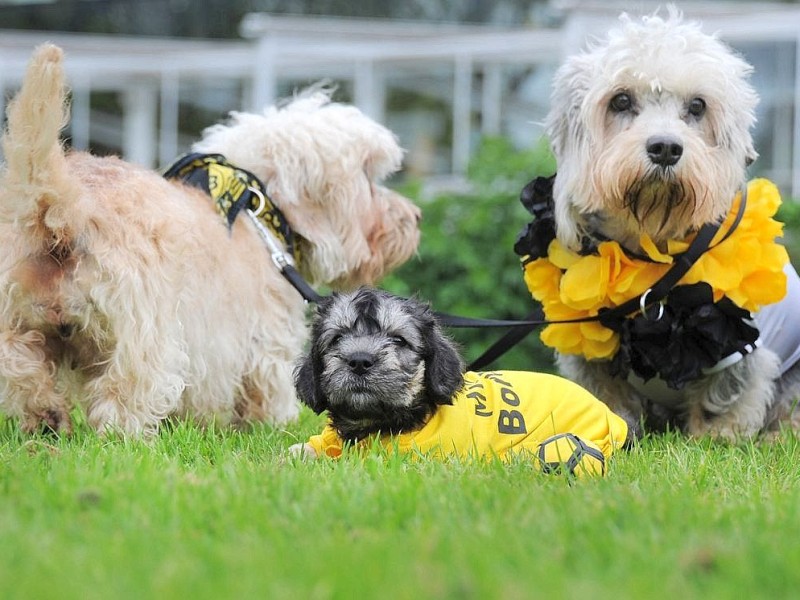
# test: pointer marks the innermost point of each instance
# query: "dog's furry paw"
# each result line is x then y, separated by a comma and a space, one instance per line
302, 451
50, 420
723, 428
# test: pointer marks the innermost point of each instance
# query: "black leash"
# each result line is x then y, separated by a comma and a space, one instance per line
651, 296
518, 330
511, 338
301, 285
188, 167
655, 294
470, 323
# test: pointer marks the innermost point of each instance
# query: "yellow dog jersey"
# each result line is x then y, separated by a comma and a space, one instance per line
502, 412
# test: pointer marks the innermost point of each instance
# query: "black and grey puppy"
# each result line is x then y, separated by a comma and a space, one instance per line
377, 362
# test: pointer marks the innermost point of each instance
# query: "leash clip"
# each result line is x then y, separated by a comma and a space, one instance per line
261, 201
280, 260
643, 307
279, 257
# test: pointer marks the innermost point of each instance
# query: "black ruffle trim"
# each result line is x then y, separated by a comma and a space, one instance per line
535, 237
694, 332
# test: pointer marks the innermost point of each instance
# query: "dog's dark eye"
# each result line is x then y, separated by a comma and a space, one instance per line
622, 102
335, 339
399, 341
697, 106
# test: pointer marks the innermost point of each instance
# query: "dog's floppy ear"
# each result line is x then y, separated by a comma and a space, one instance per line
310, 366
750, 156
444, 369
565, 124
306, 383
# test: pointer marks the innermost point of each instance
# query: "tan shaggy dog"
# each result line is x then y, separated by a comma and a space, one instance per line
128, 295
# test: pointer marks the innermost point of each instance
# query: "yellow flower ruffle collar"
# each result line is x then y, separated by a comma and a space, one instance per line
746, 267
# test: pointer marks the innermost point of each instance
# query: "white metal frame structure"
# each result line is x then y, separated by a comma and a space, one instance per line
149, 74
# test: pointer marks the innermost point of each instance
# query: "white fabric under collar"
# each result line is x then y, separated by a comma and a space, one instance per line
779, 323
779, 328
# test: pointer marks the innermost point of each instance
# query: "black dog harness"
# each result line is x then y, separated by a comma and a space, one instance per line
236, 191
233, 189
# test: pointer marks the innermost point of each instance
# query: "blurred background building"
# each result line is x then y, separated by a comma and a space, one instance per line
147, 76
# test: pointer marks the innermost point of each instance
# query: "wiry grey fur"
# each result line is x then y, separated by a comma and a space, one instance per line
377, 362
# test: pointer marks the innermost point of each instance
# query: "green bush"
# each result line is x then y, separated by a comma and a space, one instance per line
789, 215
466, 263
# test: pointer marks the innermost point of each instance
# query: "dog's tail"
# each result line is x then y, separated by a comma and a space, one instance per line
35, 177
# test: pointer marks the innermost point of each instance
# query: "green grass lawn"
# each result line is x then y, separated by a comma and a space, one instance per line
220, 514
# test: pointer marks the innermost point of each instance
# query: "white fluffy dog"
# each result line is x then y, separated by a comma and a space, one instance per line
651, 132
129, 295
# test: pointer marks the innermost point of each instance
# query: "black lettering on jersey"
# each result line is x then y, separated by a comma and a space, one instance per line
494, 376
480, 404
511, 422
509, 396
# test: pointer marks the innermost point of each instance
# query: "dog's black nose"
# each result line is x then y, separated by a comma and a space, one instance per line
360, 362
664, 150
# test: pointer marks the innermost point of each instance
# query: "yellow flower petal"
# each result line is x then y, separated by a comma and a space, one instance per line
542, 278
560, 256
594, 350
650, 249
617, 260
759, 289
593, 330
769, 197
565, 337
584, 284
677, 247
725, 277
642, 278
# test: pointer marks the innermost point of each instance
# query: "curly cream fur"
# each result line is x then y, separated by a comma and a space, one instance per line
126, 294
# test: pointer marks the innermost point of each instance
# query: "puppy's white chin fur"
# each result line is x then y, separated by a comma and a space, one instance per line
355, 399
